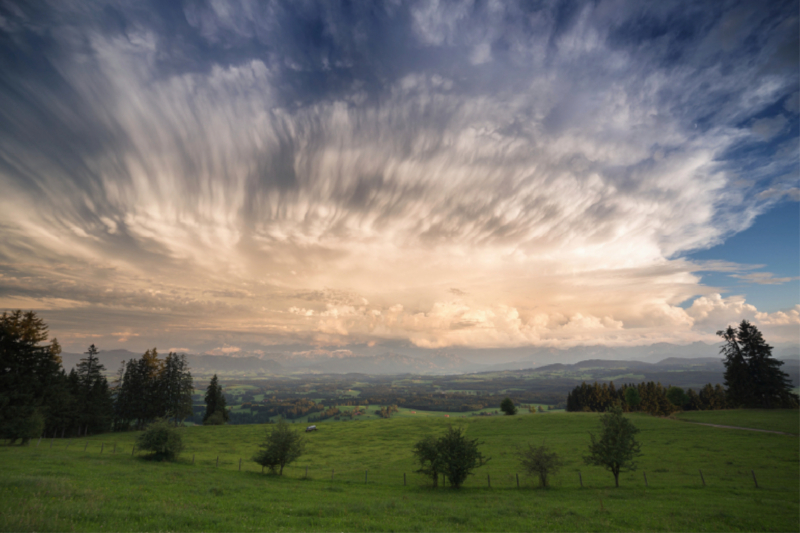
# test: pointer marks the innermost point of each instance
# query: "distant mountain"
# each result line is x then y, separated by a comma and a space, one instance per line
392, 363
224, 363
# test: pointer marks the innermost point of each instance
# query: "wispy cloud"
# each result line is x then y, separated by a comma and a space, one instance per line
325, 174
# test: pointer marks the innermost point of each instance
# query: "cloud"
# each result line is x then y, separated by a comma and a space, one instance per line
770, 127
763, 278
715, 309
310, 175
780, 318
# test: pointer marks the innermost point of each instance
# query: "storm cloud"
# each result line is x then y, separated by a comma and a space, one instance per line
325, 173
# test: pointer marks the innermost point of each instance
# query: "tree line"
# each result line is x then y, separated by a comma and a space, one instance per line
38, 397
753, 379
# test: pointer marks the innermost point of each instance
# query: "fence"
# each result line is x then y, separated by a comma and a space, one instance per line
482, 478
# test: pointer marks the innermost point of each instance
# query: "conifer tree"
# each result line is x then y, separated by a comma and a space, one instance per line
215, 401
28, 370
752, 377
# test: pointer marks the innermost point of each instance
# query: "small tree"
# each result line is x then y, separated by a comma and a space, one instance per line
540, 461
162, 440
281, 446
616, 448
452, 454
508, 407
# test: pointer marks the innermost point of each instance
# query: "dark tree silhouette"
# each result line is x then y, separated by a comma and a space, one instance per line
752, 377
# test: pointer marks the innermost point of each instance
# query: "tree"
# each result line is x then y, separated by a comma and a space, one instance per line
752, 377
176, 387
632, 397
452, 454
28, 371
617, 446
215, 401
163, 441
677, 397
281, 446
540, 461
508, 407
93, 399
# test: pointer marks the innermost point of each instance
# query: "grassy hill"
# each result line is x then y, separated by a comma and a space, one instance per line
52, 487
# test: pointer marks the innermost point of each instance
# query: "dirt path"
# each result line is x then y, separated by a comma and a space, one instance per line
737, 427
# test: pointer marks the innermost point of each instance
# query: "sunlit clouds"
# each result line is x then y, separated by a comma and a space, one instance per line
229, 177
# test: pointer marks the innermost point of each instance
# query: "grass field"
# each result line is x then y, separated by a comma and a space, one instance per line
768, 419
44, 488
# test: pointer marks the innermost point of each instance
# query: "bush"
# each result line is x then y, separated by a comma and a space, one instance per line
216, 419
162, 440
540, 461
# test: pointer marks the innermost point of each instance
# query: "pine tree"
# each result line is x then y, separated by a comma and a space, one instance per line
94, 402
28, 370
215, 401
752, 377
176, 387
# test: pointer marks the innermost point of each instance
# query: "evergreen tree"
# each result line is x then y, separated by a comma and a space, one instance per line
215, 401
752, 377
176, 387
28, 370
93, 398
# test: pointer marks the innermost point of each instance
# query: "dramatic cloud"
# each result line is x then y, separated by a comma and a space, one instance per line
243, 174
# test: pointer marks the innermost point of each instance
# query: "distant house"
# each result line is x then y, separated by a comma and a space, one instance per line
311, 428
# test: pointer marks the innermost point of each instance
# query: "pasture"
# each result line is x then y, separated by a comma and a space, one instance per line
356, 481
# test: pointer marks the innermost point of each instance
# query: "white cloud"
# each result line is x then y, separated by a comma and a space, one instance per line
780, 318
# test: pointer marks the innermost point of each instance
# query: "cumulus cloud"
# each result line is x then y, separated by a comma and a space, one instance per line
315, 176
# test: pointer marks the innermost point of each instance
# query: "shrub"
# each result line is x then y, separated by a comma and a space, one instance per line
540, 461
162, 440
216, 419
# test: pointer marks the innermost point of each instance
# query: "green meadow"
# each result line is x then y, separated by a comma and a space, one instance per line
351, 478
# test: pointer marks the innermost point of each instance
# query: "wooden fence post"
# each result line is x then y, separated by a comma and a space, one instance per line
115, 448
40, 441
217, 466
365, 476
580, 478
102, 445
754, 477
517, 480
51, 442
133, 450
192, 459
404, 479
701, 477
306, 472
489, 479
240, 464
332, 474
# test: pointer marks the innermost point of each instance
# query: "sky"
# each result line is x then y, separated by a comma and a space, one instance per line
250, 176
